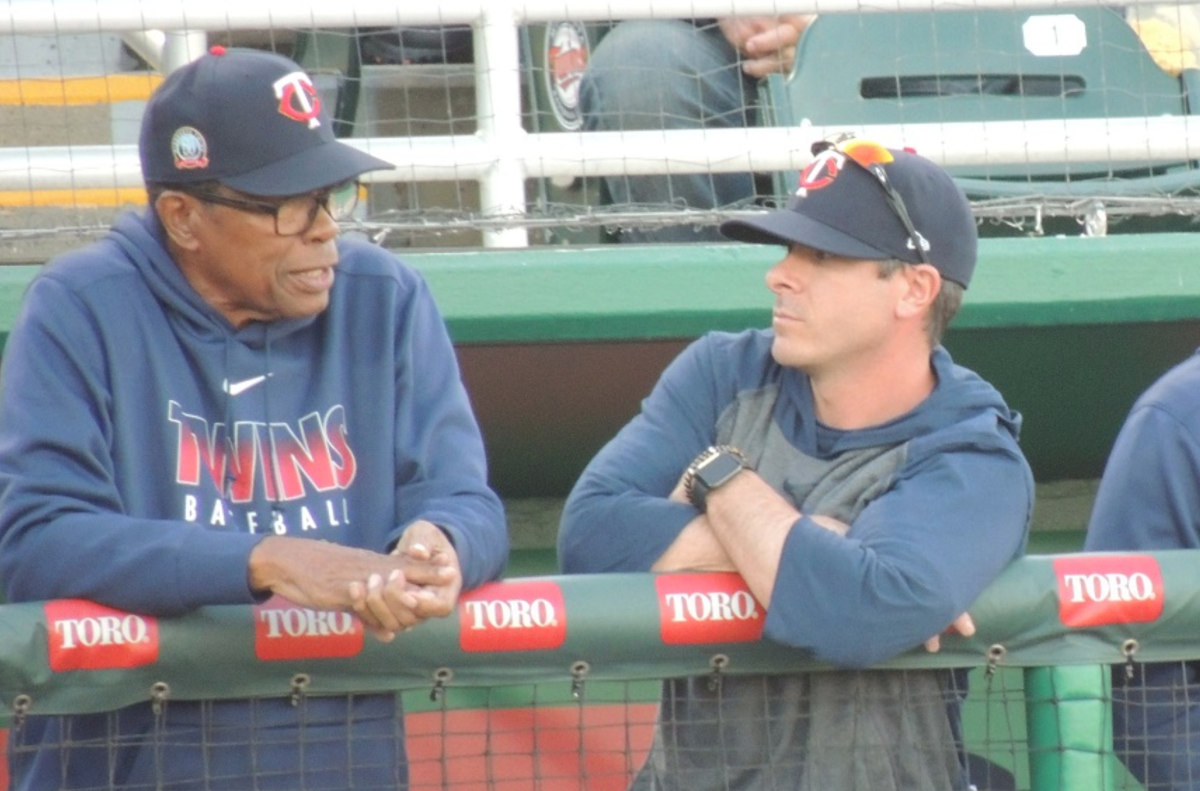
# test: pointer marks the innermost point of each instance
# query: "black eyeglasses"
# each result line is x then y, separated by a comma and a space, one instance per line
295, 215
871, 156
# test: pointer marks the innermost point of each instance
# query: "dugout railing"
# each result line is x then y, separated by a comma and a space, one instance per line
550, 681
558, 346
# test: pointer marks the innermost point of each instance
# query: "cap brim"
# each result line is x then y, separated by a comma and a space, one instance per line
787, 227
311, 169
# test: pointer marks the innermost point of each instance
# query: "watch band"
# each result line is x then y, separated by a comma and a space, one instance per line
689, 475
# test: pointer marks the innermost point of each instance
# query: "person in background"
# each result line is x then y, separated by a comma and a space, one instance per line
683, 74
221, 402
865, 487
1149, 499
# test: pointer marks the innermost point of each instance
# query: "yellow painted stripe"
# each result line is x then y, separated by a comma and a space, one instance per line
89, 198
81, 198
54, 92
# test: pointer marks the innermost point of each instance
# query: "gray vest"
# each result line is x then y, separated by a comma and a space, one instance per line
827, 731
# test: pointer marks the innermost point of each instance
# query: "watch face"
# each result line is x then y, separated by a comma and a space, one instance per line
720, 469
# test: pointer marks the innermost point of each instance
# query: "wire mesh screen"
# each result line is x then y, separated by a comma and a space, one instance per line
981, 82
612, 736
1152, 734
861, 731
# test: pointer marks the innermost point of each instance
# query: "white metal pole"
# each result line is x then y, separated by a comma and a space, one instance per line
148, 44
87, 16
179, 49
498, 108
445, 158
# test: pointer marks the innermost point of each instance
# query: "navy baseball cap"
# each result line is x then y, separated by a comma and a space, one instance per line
249, 119
842, 206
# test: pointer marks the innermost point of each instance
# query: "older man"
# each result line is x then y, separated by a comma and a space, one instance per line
220, 402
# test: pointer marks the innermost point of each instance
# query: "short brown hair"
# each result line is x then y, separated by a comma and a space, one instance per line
945, 305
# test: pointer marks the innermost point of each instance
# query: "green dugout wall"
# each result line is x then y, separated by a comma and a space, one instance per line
559, 345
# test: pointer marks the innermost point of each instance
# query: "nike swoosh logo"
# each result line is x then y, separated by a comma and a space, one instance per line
237, 388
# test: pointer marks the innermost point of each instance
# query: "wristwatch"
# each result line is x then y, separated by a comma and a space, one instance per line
714, 467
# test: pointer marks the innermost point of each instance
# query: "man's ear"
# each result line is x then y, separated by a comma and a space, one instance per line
179, 214
924, 283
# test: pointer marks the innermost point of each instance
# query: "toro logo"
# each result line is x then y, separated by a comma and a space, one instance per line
1095, 590
512, 616
707, 608
84, 635
283, 630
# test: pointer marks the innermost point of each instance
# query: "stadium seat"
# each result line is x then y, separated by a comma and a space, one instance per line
398, 81
986, 65
552, 55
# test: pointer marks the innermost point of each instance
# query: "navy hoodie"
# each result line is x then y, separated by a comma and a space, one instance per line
938, 501
146, 445
1148, 500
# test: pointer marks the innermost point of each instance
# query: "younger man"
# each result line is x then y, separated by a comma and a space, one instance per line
864, 486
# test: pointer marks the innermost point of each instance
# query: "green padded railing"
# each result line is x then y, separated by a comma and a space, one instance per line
1057, 618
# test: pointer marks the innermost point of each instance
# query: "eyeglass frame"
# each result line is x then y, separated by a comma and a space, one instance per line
320, 200
894, 199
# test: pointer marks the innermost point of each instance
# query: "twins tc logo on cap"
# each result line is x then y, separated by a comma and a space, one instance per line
829, 162
821, 172
298, 98
189, 149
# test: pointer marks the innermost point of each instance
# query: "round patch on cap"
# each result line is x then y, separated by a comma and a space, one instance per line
566, 59
189, 149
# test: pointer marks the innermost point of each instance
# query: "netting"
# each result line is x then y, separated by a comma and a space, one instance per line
599, 736
523, 129
564, 736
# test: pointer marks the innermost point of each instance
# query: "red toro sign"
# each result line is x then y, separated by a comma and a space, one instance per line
708, 608
512, 616
283, 630
1098, 590
84, 635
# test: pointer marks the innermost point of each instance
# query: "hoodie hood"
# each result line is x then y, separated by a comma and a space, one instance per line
961, 399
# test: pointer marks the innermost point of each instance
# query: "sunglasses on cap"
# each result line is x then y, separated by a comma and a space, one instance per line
871, 157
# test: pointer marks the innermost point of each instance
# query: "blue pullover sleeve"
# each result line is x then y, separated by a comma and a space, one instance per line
914, 559
1149, 495
63, 532
1149, 499
441, 463
618, 517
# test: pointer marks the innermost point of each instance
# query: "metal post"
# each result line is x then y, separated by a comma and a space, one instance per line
498, 103
181, 48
